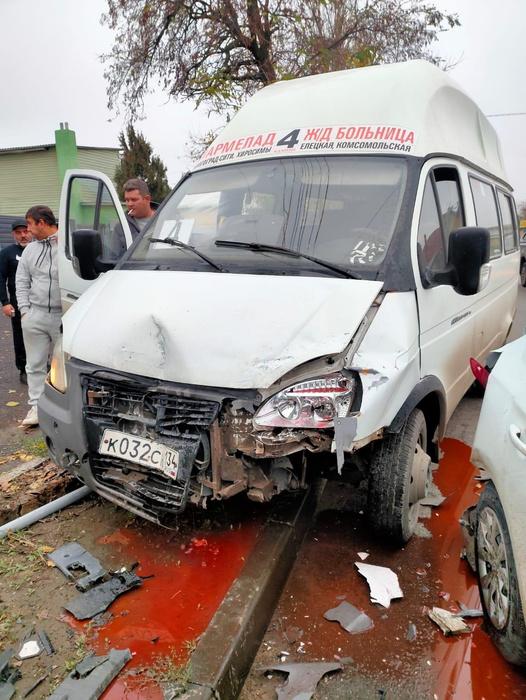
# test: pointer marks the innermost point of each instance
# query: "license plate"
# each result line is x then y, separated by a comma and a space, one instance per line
131, 448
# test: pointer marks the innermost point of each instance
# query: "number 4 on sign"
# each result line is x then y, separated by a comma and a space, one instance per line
290, 140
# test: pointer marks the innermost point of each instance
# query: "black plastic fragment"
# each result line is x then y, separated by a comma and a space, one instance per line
88, 664
45, 642
100, 597
73, 556
94, 682
411, 632
8, 675
350, 618
302, 678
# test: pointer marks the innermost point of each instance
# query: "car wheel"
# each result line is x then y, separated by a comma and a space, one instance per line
523, 273
497, 579
399, 476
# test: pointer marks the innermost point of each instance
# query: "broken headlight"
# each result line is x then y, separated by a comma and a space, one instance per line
314, 403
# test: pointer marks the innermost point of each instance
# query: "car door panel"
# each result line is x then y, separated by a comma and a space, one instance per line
88, 201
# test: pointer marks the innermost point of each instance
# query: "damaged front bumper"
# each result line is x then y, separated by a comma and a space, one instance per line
211, 431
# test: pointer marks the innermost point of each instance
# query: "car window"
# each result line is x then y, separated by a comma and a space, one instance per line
509, 222
449, 199
486, 213
90, 206
431, 246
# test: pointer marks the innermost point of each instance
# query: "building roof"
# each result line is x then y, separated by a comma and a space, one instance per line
47, 146
378, 109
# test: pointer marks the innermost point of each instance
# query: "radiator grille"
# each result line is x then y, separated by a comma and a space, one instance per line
179, 422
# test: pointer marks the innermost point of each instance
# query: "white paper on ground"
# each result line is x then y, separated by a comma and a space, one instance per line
363, 555
383, 583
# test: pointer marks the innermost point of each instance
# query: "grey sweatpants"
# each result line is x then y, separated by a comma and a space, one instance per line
41, 329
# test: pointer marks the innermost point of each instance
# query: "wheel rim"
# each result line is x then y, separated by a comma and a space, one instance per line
419, 480
493, 570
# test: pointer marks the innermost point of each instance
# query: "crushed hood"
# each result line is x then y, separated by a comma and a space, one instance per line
210, 329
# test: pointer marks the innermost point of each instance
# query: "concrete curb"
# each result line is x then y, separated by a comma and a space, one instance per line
226, 650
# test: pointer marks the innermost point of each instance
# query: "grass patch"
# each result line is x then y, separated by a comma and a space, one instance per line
169, 672
7, 623
80, 651
18, 554
34, 445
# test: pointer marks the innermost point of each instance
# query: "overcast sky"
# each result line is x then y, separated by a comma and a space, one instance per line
50, 50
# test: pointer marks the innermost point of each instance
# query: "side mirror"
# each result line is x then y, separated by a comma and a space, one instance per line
468, 251
87, 251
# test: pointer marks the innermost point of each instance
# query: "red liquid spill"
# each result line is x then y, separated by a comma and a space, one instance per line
170, 610
466, 667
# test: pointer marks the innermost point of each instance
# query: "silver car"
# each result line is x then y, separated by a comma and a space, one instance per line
496, 525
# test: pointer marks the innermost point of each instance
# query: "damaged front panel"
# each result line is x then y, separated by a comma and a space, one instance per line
164, 438
154, 447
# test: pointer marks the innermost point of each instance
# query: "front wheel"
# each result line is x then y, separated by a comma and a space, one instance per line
400, 474
523, 273
497, 579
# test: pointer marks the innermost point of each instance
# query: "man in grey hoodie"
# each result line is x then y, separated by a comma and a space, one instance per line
38, 295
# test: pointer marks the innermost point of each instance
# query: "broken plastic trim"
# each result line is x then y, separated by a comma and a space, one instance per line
302, 679
350, 618
100, 597
72, 556
90, 678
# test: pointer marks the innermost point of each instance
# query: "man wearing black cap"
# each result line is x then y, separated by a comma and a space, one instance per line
9, 258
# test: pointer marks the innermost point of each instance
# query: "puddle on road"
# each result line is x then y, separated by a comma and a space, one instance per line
164, 617
430, 573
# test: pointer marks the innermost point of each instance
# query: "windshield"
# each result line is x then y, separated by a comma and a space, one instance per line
341, 209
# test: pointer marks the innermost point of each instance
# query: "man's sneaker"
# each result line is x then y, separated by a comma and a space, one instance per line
31, 418
23, 377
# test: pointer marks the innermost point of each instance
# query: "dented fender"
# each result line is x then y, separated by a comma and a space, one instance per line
388, 363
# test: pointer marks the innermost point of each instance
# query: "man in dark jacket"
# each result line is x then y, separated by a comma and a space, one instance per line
9, 258
139, 211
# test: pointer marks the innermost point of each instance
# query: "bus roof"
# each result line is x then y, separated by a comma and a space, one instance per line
400, 108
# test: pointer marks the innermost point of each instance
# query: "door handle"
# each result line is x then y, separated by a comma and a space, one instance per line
72, 296
516, 439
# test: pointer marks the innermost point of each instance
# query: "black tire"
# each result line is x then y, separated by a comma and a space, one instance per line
523, 273
390, 509
507, 630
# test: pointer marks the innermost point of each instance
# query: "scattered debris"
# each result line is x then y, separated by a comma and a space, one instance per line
101, 619
350, 618
72, 557
383, 583
422, 531
35, 685
468, 612
411, 632
91, 677
29, 650
363, 555
303, 679
8, 675
34, 644
424, 511
448, 622
100, 597
433, 501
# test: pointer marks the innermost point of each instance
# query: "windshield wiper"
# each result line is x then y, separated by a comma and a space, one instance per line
186, 246
267, 248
